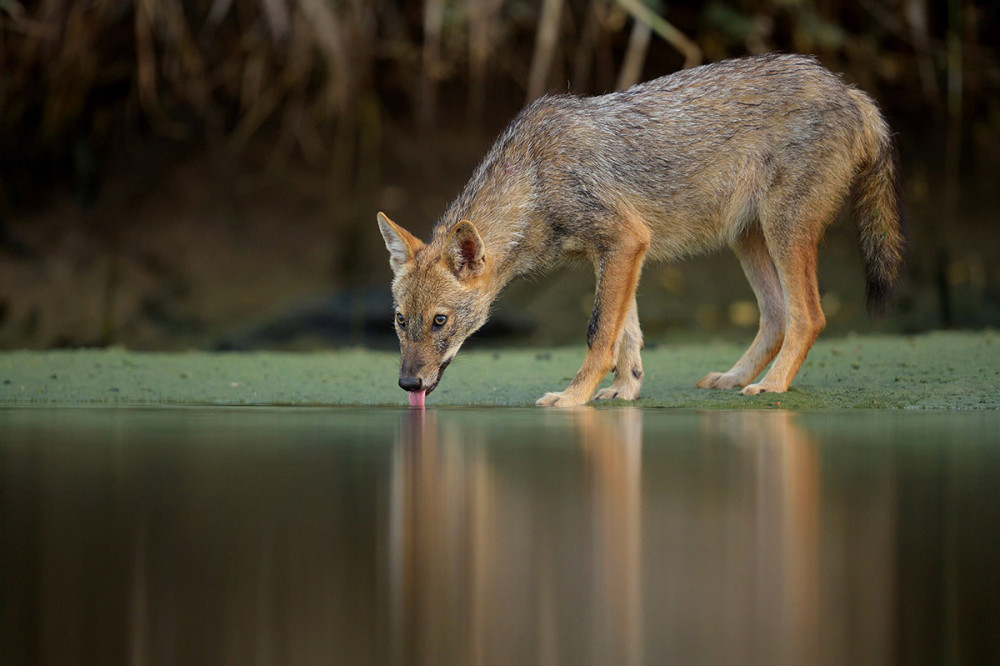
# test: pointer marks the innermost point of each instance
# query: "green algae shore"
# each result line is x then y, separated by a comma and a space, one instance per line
941, 370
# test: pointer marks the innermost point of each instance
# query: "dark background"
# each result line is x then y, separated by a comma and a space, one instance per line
206, 173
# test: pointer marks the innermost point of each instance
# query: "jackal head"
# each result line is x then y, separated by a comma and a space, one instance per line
440, 298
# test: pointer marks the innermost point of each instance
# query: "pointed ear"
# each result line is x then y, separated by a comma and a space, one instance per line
464, 252
402, 245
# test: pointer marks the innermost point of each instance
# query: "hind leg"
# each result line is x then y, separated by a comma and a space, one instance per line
751, 249
795, 261
628, 367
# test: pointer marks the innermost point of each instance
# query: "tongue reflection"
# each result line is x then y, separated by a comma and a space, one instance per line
417, 398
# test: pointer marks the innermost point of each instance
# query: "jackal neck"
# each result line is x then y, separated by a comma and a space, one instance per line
498, 207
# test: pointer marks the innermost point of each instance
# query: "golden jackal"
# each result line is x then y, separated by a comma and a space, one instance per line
756, 153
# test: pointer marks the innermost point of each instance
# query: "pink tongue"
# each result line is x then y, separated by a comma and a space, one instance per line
417, 398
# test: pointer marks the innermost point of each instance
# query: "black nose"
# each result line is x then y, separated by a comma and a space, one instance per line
411, 383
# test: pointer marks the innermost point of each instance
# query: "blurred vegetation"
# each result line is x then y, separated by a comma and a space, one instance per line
343, 91
73, 73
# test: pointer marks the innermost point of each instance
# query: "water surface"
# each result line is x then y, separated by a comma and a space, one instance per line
624, 536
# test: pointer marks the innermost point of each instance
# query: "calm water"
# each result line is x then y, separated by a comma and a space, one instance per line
599, 536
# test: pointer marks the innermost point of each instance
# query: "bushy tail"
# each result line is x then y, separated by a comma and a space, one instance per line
878, 207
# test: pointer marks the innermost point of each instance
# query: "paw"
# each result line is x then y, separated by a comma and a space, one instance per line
618, 393
719, 380
560, 399
763, 387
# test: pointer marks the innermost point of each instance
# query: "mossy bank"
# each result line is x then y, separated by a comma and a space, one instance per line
945, 370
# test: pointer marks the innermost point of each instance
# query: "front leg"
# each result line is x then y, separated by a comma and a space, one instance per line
617, 278
628, 366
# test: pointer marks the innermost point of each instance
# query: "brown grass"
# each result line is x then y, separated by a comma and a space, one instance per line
310, 70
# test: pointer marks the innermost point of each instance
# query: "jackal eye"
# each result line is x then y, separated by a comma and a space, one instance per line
400, 321
439, 320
